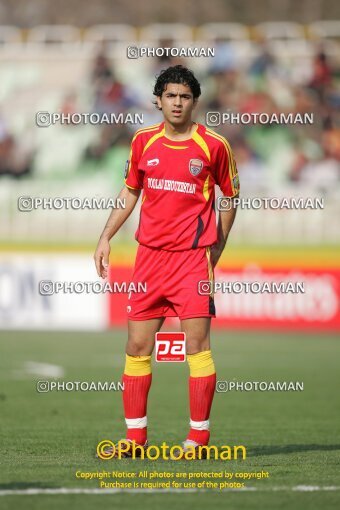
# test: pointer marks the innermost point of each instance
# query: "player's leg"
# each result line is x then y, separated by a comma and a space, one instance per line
137, 376
202, 379
141, 336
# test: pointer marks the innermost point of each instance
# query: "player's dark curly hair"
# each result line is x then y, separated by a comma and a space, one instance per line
176, 74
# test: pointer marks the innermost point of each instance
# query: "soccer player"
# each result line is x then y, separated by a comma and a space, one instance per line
175, 165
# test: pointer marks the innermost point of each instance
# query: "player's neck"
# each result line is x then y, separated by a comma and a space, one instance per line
179, 133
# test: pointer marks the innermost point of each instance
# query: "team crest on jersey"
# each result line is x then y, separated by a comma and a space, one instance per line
195, 166
126, 168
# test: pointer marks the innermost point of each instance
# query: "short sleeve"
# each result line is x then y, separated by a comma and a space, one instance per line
133, 176
226, 174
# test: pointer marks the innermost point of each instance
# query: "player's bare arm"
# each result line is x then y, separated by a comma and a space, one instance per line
116, 219
225, 223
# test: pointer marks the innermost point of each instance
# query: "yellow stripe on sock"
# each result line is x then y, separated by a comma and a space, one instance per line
201, 364
137, 365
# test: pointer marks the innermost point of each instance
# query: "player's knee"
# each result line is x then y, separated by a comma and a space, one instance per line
195, 345
137, 347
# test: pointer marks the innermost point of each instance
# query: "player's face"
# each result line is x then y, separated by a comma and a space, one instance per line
177, 103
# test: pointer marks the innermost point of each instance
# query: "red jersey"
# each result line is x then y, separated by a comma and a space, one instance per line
178, 180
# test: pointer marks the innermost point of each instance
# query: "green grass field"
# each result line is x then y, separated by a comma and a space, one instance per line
47, 437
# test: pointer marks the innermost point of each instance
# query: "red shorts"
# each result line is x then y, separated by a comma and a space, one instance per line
172, 284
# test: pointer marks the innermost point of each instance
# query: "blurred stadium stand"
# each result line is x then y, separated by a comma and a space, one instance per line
223, 31
268, 67
54, 34
179, 33
280, 30
10, 35
115, 37
325, 29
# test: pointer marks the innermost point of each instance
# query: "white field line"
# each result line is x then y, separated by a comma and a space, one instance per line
39, 369
66, 490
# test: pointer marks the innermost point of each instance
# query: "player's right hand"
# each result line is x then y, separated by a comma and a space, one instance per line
101, 257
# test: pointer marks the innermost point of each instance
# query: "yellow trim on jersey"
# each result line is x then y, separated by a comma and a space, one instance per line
232, 165
154, 127
175, 147
153, 139
228, 148
129, 167
128, 186
202, 143
206, 189
143, 200
210, 271
149, 129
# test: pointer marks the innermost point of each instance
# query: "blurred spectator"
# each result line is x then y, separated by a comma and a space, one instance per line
101, 68
322, 75
14, 159
69, 104
264, 61
110, 97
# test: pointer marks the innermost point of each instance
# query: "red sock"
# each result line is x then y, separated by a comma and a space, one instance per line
135, 397
201, 394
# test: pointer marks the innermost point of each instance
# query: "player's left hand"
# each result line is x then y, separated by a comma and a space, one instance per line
101, 257
215, 253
